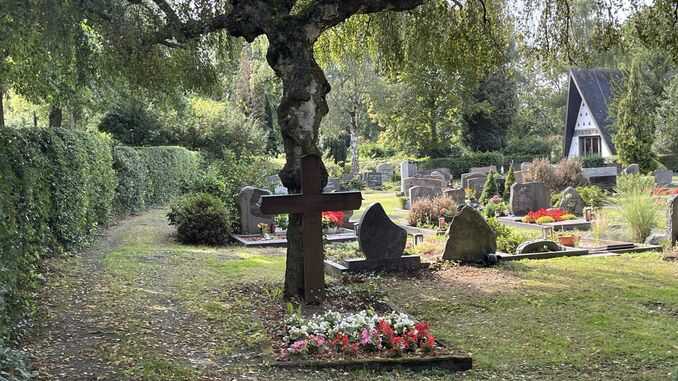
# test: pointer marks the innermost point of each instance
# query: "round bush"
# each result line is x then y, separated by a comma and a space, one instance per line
200, 218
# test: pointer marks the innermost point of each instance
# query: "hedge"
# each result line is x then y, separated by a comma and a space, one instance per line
171, 170
462, 164
56, 188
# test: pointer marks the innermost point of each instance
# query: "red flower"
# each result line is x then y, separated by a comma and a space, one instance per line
385, 328
337, 217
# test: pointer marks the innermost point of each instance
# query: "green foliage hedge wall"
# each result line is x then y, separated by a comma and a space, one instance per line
171, 170
56, 187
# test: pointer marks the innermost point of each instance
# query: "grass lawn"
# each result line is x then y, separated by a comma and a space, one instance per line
141, 307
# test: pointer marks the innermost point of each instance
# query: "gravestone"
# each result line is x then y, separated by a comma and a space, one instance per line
469, 237
525, 166
483, 170
441, 176
477, 184
333, 185
418, 192
378, 237
604, 177
458, 195
372, 179
672, 223
632, 169
465, 177
431, 182
407, 169
663, 177
383, 243
537, 246
386, 171
250, 213
571, 201
528, 197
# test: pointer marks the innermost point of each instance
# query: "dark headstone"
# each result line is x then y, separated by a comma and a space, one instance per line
386, 171
379, 237
537, 246
528, 197
663, 176
372, 179
604, 177
250, 214
469, 237
672, 223
458, 195
632, 169
571, 201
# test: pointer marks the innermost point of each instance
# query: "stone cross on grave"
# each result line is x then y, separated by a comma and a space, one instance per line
310, 203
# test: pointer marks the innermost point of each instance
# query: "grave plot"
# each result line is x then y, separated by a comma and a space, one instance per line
357, 331
279, 239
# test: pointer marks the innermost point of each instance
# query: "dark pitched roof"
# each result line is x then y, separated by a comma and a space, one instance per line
595, 86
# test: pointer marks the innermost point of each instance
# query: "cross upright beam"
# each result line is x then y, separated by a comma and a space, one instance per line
310, 203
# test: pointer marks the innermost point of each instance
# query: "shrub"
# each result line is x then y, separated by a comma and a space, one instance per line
14, 365
425, 212
133, 124
593, 195
57, 187
507, 239
200, 218
637, 206
556, 178
463, 163
490, 188
375, 150
132, 176
171, 170
593, 161
235, 173
510, 180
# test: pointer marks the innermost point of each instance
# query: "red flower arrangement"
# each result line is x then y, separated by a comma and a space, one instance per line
660, 191
555, 213
333, 218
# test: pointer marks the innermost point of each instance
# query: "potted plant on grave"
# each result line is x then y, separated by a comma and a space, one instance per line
331, 221
568, 239
281, 221
265, 230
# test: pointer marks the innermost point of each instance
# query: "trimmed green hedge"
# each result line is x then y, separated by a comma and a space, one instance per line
171, 170
132, 173
462, 164
56, 188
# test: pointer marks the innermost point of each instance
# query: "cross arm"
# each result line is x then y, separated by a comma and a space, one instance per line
301, 204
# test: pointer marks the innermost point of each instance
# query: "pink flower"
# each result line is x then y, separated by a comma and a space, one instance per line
298, 346
365, 337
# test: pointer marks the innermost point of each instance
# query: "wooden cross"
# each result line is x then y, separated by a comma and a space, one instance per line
310, 203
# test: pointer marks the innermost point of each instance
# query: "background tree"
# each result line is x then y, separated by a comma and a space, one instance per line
666, 120
634, 129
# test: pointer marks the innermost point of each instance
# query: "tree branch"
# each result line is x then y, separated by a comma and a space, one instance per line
325, 14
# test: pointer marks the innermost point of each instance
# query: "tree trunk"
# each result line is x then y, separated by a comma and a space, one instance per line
55, 116
355, 165
301, 109
2, 108
35, 119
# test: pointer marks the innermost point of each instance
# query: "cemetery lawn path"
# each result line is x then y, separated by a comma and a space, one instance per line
139, 306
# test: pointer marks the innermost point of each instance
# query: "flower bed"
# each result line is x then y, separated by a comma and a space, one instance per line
364, 334
544, 216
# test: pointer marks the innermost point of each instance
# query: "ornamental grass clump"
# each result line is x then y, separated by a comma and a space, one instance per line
636, 205
425, 212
